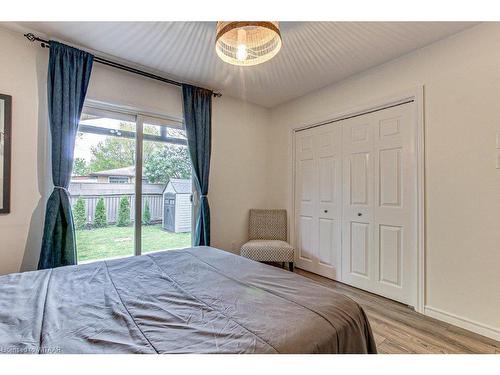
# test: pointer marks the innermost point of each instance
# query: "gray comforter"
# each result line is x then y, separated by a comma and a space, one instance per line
199, 300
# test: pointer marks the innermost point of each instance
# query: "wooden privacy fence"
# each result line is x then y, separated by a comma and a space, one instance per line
112, 204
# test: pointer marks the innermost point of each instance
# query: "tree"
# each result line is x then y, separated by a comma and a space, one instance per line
162, 161
123, 213
79, 214
100, 218
169, 161
146, 214
119, 152
80, 167
112, 153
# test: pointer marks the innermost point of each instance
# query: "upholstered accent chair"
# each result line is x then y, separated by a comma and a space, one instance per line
268, 235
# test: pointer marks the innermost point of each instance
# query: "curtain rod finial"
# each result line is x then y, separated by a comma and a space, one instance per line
30, 37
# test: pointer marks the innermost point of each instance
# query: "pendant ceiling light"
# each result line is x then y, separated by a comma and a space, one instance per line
247, 43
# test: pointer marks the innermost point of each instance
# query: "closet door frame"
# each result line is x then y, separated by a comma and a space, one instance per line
414, 95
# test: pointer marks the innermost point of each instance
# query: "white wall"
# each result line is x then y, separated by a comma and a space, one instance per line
238, 173
238, 170
461, 76
23, 71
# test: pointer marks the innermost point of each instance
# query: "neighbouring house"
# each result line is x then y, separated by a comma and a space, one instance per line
124, 175
177, 205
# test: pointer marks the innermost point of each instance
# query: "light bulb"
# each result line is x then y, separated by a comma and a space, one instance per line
241, 52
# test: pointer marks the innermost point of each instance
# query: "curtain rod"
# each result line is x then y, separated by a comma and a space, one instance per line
46, 44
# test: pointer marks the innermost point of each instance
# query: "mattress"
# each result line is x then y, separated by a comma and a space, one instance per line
196, 300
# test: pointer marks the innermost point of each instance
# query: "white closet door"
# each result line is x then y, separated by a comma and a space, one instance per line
358, 246
318, 199
329, 205
305, 200
379, 202
395, 204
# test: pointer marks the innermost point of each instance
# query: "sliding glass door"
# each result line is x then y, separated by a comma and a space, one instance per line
131, 186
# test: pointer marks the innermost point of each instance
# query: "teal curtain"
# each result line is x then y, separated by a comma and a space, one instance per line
197, 106
67, 82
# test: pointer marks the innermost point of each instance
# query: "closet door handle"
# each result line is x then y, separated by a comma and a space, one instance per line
360, 214
326, 211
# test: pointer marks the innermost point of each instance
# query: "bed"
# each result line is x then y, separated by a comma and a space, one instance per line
196, 300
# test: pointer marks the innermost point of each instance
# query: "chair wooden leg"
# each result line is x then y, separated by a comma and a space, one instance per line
290, 266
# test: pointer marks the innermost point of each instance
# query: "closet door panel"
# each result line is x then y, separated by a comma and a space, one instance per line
390, 254
394, 212
390, 177
379, 196
359, 249
357, 217
318, 202
305, 239
329, 210
359, 170
305, 199
327, 242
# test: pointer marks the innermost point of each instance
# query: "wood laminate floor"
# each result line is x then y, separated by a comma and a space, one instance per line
399, 329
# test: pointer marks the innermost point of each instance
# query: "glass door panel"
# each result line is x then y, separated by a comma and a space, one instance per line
166, 189
102, 186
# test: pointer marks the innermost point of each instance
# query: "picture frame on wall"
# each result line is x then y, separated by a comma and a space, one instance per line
5, 151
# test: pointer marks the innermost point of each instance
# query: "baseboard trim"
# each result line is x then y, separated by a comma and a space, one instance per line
470, 325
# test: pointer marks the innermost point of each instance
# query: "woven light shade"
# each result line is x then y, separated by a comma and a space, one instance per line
247, 43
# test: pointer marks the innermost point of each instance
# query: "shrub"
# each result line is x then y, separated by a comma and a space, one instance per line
146, 214
123, 213
79, 214
100, 219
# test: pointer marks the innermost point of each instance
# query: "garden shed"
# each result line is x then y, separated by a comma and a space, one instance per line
177, 206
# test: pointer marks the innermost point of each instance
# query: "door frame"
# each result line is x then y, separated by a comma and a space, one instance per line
140, 117
415, 95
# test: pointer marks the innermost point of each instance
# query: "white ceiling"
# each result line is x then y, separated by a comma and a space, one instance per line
314, 54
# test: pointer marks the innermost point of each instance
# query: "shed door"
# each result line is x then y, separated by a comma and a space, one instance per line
169, 212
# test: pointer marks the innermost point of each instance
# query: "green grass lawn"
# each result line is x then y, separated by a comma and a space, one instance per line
116, 241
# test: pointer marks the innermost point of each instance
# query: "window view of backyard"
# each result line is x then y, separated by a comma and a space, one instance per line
102, 189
